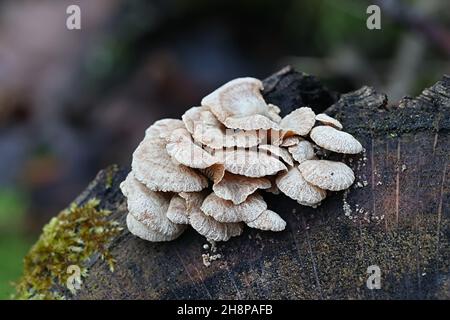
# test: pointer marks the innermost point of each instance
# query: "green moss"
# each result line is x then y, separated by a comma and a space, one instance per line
110, 173
71, 238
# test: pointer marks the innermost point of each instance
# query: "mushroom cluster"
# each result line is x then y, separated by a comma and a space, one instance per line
206, 169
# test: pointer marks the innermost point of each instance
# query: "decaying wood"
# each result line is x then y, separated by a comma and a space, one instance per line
398, 220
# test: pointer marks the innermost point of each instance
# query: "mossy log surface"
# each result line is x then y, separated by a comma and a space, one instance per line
398, 221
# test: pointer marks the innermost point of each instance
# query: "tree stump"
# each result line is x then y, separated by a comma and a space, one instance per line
396, 217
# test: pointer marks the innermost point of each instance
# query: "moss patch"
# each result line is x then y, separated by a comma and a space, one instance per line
71, 238
111, 172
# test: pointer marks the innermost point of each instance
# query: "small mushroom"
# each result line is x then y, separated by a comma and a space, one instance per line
226, 211
149, 207
268, 221
207, 130
334, 140
237, 188
326, 174
193, 200
291, 141
153, 166
298, 122
251, 163
162, 129
239, 104
253, 122
296, 187
177, 211
278, 152
213, 229
142, 231
302, 151
330, 121
215, 173
182, 148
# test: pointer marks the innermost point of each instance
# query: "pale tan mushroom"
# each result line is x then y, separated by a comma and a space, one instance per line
278, 152
213, 229
330, 121
274, 113
268, 221
177, 211
193, 200
298, 122
238, 97
296, 187
215, 173
253, 122
302, 151
142, 231
290, 141
182, 148
329, 175
335, 140
206, 129
162, 129
251, 163
237, 188
226, 211
239, 104
149, 207
153, 166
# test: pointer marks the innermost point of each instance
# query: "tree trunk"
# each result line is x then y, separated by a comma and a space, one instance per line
396, 217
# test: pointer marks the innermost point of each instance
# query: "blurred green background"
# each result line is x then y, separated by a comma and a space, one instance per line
73, 102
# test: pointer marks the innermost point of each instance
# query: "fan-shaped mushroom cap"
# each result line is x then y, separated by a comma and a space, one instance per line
237, 98
237, 188
268, 221
142, 231
214, 173
278, 152
253, 122
153, 167
185, 151
296, 187
148, 207
162, 129
291, 141
239, 104
298, 122
329, 175
193, 200
177, 211
225, 211
251, 163
302, 151
326, 119
334, 140
212, 229
206, 129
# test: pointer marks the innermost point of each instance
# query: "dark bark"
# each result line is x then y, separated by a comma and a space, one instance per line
323, 253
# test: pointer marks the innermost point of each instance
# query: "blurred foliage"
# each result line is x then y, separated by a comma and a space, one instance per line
12, 250
12, 208
13, 243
